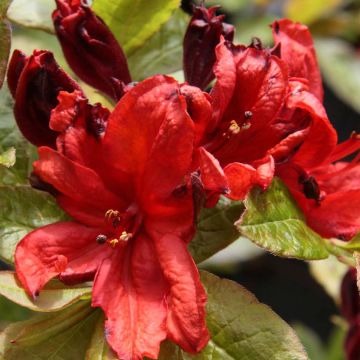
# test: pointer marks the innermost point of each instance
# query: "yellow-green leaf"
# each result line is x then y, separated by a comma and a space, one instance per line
133, 22
54, 297
273, 221
8, 157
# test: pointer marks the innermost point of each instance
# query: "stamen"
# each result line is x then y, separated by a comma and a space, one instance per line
234, 128
125, 236
113, 242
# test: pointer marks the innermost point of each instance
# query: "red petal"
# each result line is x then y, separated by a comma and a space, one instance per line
76, 181
199, 109
242, 177
130, 289
186, 299
297, 50
152, 134
337, 216
64, 248
212, 175
322, 137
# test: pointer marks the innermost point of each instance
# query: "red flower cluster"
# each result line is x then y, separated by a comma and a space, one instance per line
133, 180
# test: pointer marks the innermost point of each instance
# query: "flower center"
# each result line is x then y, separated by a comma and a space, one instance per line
123, 227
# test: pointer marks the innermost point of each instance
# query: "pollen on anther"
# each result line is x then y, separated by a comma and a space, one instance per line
125, 236
234, 128
248, 114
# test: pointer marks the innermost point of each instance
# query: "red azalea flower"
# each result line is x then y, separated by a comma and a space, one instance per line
131, 223
350, 307
35, 83
90, 48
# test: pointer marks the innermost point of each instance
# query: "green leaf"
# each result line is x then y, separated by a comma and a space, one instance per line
162, 53
23, 209
34, 14
9, 311
8, 157
54, 297
340, 65
241, 328
215, 229
10, 136
98, 348
5, 39
273, 221
57, 336
133, 22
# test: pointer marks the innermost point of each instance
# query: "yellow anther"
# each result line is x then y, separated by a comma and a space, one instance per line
245, 126
113, 242
125, 236
111, 213
234, 127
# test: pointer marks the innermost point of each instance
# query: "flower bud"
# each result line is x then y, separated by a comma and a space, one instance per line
90, 48
35, 82
201, 38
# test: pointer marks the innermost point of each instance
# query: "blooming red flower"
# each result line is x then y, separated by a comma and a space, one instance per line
35, 83
90, 48
201, 37
350, 308
128, 190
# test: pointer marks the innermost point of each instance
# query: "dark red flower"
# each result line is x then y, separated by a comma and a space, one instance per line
35, 83
350, 307
90, 48
297, 50
131, 225
201, 37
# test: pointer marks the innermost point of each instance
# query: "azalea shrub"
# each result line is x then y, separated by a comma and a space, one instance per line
107, 208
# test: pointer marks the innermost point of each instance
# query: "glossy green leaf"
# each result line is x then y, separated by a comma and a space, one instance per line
162, 53
8, 157
133, 22
54, 297
241, 328
215, 229
273, 221
34, 14
10, 136
340, 65
57, 336
23, 209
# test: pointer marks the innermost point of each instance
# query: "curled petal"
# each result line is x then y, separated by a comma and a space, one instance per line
297, 50
212, 175
322, 137
243, 177
16, 65
67, 249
